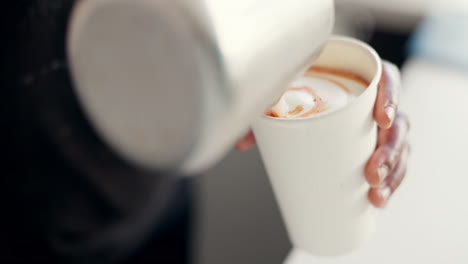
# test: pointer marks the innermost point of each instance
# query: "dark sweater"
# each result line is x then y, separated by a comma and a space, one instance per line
65, 195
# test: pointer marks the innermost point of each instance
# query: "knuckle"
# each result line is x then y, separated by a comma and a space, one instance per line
393, 158
398, 180
403, 118
401, 126
390, 156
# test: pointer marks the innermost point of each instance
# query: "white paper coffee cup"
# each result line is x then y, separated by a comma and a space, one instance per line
316, 164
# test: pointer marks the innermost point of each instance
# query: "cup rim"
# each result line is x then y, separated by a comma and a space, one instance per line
375, 80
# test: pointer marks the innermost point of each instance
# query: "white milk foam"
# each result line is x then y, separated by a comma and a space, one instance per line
333, 96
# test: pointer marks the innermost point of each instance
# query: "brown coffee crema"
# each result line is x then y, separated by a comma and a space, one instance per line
320, 106
338, 72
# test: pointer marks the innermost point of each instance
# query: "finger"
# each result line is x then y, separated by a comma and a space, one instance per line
246, 142
386, 135
383, 135
386, 105
388, 153
379, 196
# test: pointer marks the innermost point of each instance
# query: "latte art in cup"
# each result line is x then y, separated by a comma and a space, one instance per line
319, 91
316, 146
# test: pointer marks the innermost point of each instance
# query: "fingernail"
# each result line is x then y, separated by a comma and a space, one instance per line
390, 112
385, 193
382, 171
